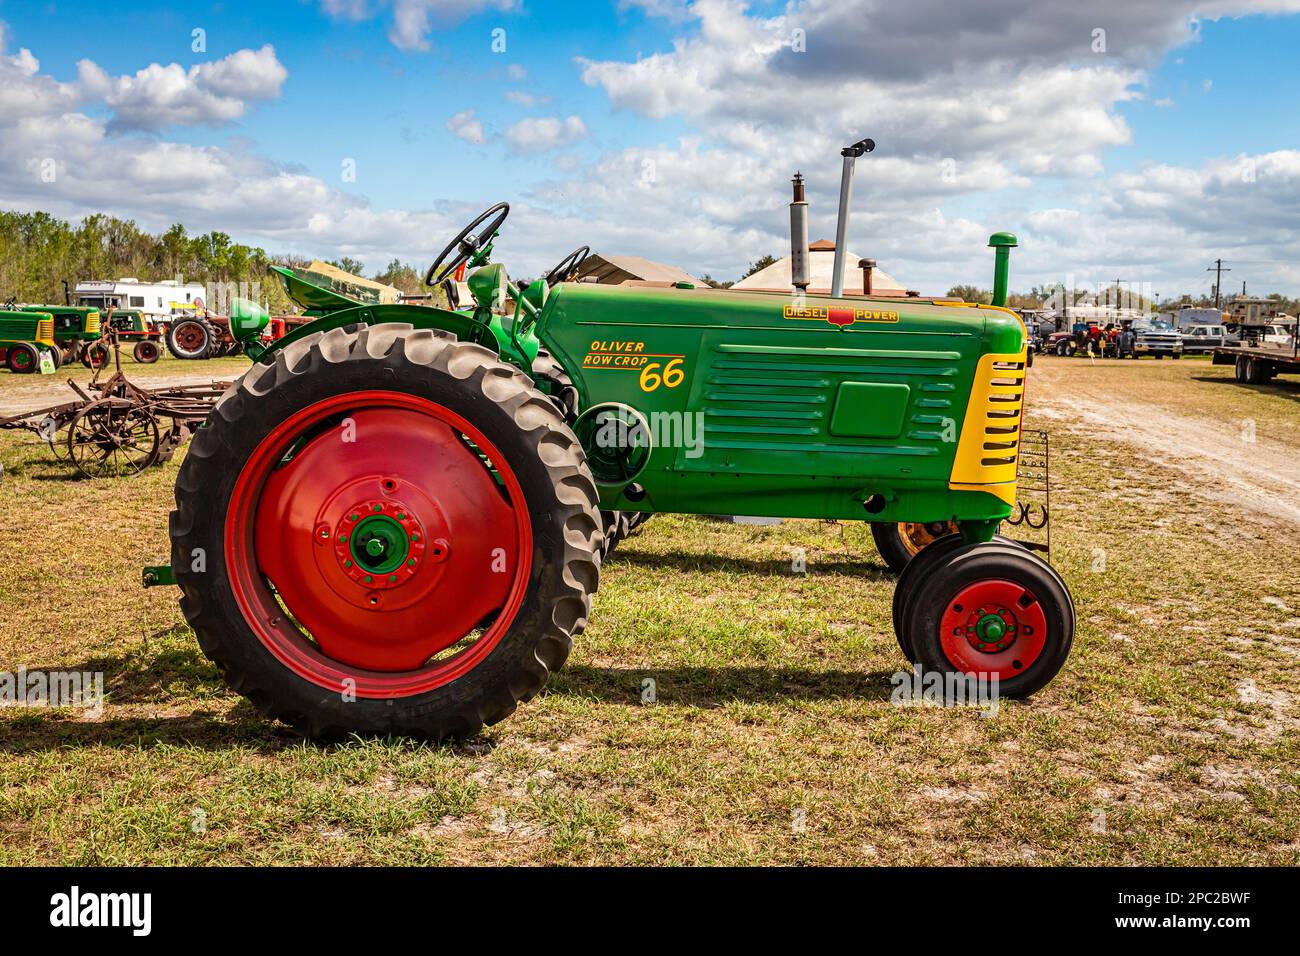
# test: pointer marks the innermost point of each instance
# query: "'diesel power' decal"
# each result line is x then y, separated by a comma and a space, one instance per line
838, 316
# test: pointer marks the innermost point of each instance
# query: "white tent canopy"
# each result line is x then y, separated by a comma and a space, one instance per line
821, 266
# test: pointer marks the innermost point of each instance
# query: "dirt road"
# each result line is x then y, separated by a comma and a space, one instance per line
1186, 416
25, 393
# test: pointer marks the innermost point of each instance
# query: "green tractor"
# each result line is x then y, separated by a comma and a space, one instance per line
76, 329
25, 338
391, 524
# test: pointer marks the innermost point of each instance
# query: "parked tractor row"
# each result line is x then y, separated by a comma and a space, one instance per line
87, 334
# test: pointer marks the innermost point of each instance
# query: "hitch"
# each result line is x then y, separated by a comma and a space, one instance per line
157, 576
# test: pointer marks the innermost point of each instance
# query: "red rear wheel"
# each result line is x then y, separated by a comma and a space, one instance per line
386, 531
381, 554
22, 359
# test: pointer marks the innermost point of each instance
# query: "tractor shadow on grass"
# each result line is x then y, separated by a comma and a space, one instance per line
711, 687
867, 568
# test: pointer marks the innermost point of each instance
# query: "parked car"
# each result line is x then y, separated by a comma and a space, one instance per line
1062, 343
1206, 338
1276, 335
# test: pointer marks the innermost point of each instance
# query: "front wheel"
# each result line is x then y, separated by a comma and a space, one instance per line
95, 355
989, 610
23, 359
899, 542
386, 531
146, 352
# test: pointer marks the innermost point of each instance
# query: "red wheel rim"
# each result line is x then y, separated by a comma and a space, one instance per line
189, 336
22, 359
993, 626
401, 466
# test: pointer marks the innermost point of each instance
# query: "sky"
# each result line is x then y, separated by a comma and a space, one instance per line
1124, 140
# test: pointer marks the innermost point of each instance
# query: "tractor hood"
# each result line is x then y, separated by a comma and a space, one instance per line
322, 288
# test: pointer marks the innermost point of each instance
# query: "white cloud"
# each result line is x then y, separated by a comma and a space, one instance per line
206, 94
527, 100
413, 20
467, 127
346, 9
544, 133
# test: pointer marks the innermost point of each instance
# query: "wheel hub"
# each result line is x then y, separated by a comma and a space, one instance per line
381, 544
993, 630
993, 625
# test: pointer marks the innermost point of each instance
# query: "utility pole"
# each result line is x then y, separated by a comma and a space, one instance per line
1218, 271
1117, 295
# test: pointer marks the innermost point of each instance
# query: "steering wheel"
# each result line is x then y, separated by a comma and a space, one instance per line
468, 243
568, 266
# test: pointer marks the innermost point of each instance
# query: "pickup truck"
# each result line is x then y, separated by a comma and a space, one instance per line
1156, 337
1206, 338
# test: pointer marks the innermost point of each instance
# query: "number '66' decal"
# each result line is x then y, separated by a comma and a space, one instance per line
671, 376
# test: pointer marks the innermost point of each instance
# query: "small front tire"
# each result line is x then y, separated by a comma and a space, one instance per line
989, 610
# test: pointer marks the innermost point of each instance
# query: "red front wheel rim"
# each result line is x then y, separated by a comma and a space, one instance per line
994, 626
371, 548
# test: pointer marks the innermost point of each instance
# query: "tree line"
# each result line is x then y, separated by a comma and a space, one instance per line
38, 252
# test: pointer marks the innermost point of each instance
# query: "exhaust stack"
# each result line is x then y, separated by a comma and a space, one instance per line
850, 154
799, 236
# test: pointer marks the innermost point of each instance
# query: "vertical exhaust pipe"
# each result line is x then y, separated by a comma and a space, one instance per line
867, 266
850, 154
799, 236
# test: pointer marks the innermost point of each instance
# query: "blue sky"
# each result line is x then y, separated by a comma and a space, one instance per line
1127, 165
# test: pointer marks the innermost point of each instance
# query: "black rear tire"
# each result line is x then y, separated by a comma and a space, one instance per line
534, 442
891, 539
191, 339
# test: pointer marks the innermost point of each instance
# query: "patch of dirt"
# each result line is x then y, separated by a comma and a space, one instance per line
1253, 475
54, 390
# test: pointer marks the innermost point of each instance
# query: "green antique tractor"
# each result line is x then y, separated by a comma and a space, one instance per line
76, 329
391, 524
26, 337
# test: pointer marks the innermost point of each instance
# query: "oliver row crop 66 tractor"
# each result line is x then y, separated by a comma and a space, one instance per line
391, 524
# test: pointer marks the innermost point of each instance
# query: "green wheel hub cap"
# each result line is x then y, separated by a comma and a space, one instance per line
379, 544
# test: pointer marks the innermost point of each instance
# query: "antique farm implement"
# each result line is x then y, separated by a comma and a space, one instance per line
392, 523
115, 428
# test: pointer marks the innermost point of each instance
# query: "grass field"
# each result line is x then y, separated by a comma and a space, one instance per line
1170, 737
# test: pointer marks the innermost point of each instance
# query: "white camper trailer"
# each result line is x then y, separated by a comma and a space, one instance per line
159, 301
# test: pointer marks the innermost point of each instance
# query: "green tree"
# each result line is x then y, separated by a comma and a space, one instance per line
970, 293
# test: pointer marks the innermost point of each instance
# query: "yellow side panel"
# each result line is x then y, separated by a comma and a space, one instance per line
989, 446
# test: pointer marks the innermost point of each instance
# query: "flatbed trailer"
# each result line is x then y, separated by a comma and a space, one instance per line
1255, 365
